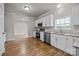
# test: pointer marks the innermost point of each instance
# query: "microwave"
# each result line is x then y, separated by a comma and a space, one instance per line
39, 24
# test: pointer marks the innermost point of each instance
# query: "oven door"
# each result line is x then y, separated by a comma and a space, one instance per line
38, 35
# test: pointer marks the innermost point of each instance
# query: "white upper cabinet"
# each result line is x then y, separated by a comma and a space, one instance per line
47, 21
75, 15
44, 21
36, 23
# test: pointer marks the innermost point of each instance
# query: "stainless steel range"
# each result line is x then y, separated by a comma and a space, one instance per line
38, 34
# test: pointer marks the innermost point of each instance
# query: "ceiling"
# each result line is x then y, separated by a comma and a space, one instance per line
37, 9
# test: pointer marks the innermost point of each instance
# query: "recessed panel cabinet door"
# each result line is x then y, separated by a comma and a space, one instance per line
61, 42
44, 21
69, 48
42, 36
75, 15
36, 23
34, 34
53, 40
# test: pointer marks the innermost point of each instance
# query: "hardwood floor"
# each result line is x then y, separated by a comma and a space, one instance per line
31, 47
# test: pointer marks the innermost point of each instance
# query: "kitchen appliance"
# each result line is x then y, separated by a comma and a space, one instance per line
76, 45
39, 24
38, 35
47, 38
42, 29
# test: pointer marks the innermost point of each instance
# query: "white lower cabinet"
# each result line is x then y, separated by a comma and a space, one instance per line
64, 43
53, 40
34, 33
58, 41
61, 42
42, 36
69, 45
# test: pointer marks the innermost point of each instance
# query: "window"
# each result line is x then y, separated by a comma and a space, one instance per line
63, 22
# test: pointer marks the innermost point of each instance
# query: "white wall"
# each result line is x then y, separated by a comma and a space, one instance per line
9, 24
31, 25
12, 17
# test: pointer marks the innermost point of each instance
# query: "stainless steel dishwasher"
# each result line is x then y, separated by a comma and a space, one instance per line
47, 38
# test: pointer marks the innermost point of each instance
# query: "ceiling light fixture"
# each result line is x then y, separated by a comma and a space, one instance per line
27, 8
58, 6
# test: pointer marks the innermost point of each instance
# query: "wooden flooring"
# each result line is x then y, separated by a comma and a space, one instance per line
31, 47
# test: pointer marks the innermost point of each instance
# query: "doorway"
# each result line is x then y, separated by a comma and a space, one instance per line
20, 29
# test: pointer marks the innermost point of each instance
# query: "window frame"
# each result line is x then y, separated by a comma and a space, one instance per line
62, 22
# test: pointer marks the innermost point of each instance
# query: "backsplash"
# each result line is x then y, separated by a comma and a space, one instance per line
74, 30
51, 29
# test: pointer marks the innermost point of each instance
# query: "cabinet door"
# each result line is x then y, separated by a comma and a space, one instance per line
34, 33
39, 21
53, 40
44, 21
61, 42
49, 20
75, 15
42, 36
36, 23
69, 46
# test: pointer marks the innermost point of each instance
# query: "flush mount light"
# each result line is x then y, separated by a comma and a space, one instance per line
27, 8
58, 6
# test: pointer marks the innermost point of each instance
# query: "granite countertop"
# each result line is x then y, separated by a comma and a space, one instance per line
73, 35
76, 44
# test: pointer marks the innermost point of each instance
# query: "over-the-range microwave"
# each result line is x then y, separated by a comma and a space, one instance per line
39, 24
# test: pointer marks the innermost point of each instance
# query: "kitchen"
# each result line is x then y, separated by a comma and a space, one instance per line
53, 25
59, 33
